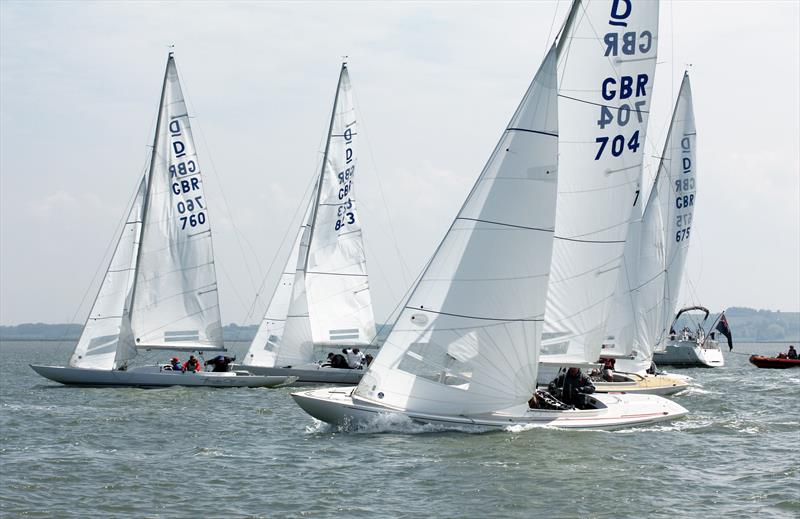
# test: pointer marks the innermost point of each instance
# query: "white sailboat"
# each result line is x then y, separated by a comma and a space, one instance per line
465, 348
654, 259
160, 289
691, 347
322, 297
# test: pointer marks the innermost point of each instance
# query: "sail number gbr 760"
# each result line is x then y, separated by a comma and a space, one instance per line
184, 175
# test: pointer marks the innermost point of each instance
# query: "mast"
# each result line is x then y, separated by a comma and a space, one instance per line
566, 27
324, 163
150, 179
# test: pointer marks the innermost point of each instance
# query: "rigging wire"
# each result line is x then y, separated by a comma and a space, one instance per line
405, 272
218, 177
279, 248
292, 225
105, 259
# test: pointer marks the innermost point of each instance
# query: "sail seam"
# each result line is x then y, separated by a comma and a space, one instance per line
598, 104
504, 224
473, 316
531, 131
587, 241
335, 274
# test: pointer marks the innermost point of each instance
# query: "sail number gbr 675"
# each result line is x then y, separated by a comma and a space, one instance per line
184, 175
625, 96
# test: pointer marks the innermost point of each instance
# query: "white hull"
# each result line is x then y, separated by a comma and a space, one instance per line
311, 374
153, 376
337, 406
646, 384
689, 353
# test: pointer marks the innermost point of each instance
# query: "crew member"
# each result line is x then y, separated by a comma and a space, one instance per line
192, 365
220, 363
570, 385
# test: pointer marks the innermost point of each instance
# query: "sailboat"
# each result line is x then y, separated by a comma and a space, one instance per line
322, 297
653, 264
465, 347
691, 348
160, 290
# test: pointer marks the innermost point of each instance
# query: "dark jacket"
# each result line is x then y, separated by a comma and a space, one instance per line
220, 363
567, 387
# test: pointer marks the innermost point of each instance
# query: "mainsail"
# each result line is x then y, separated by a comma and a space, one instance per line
467, 340
175, 299
106, 341
606, 64
328, 301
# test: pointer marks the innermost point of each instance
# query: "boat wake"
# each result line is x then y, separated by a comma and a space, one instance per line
392, 423
697, 390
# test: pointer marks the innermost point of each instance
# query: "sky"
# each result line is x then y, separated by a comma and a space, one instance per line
435, 85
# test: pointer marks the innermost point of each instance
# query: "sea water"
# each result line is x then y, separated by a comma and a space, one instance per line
199, 452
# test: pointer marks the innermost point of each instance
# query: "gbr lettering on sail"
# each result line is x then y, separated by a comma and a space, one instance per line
185, 178
625, 97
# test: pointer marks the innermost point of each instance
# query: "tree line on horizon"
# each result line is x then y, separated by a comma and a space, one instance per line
747, 325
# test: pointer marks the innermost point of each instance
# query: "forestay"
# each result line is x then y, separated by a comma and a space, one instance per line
106, 341
606, 63
467, 340
337, 287
175, 301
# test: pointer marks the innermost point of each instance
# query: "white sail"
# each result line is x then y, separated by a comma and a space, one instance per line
297, 345
106, 341
175, 301
337, 287
656, 252
677, 188
467, 340
606, 64
264, 349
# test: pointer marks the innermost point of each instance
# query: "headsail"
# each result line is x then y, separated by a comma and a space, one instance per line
266, 344
467, 340
606, 64
175, 301
337, 287
106, 341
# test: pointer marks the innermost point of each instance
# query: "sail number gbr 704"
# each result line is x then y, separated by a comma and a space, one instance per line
624, 88
185, 181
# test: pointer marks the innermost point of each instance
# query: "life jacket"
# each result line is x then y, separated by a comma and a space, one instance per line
192, 365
